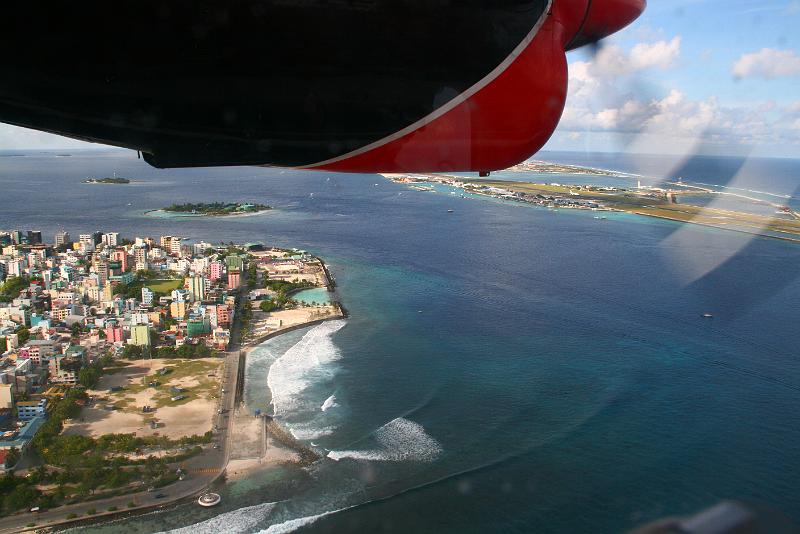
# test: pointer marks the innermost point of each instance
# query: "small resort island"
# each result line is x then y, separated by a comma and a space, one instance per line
107, 180
216, 209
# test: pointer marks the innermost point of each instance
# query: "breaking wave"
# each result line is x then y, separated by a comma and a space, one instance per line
293, 524
234, 522
309, 431
329, 403
398, 440
300, 366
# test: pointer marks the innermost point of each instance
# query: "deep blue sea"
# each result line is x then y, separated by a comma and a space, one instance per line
505, 368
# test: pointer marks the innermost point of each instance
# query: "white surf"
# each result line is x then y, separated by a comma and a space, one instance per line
329, 403
398, 440
234, 522
299, 367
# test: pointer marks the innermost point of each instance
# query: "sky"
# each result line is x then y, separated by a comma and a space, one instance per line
706, 76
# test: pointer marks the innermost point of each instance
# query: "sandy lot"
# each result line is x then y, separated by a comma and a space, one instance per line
264, 323
192, 415
252, 448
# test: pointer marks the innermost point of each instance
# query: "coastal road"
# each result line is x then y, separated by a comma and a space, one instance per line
202, 470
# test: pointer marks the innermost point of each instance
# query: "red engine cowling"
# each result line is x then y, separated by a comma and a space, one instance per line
508, 115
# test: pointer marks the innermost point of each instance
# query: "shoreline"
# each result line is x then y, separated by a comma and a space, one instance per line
280, 445
708, 225
164, 214
280, 436
510, 194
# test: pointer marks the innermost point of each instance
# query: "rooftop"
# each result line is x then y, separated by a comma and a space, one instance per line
32, 403
25, 434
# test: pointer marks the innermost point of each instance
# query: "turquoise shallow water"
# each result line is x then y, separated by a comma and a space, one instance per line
504, 368
317, 295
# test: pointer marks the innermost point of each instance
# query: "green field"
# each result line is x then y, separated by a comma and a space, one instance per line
164, 286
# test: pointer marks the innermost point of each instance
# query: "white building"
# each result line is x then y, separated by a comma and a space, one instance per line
27, 410
110, 239
62, 238
200, 248
6, 396
175, 246
86, 241
147, 296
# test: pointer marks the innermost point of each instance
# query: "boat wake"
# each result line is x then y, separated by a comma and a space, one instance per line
398, 440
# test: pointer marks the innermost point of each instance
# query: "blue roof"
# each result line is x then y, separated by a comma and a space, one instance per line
25, 434
30, 430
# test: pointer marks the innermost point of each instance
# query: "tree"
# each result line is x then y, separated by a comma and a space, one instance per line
23, 496
12, 458
13, 286
106, 360
132, 352
24, 334
89, 376
76, 329
3, 345
267, 306
166, 352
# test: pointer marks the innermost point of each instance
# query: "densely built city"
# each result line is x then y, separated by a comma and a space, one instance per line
121, 367
68, 304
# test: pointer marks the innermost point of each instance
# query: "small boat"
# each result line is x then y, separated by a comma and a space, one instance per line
209, 499
708, 315
449, 211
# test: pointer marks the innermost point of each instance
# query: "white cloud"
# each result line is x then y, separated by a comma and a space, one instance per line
767, 63
609, 97
613, 60
661, 54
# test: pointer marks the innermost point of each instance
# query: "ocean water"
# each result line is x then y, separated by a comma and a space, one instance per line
505, 368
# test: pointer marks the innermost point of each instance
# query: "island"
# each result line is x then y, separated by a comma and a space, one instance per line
561, 168
135, 414
107, 180
216, 209
676, 201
